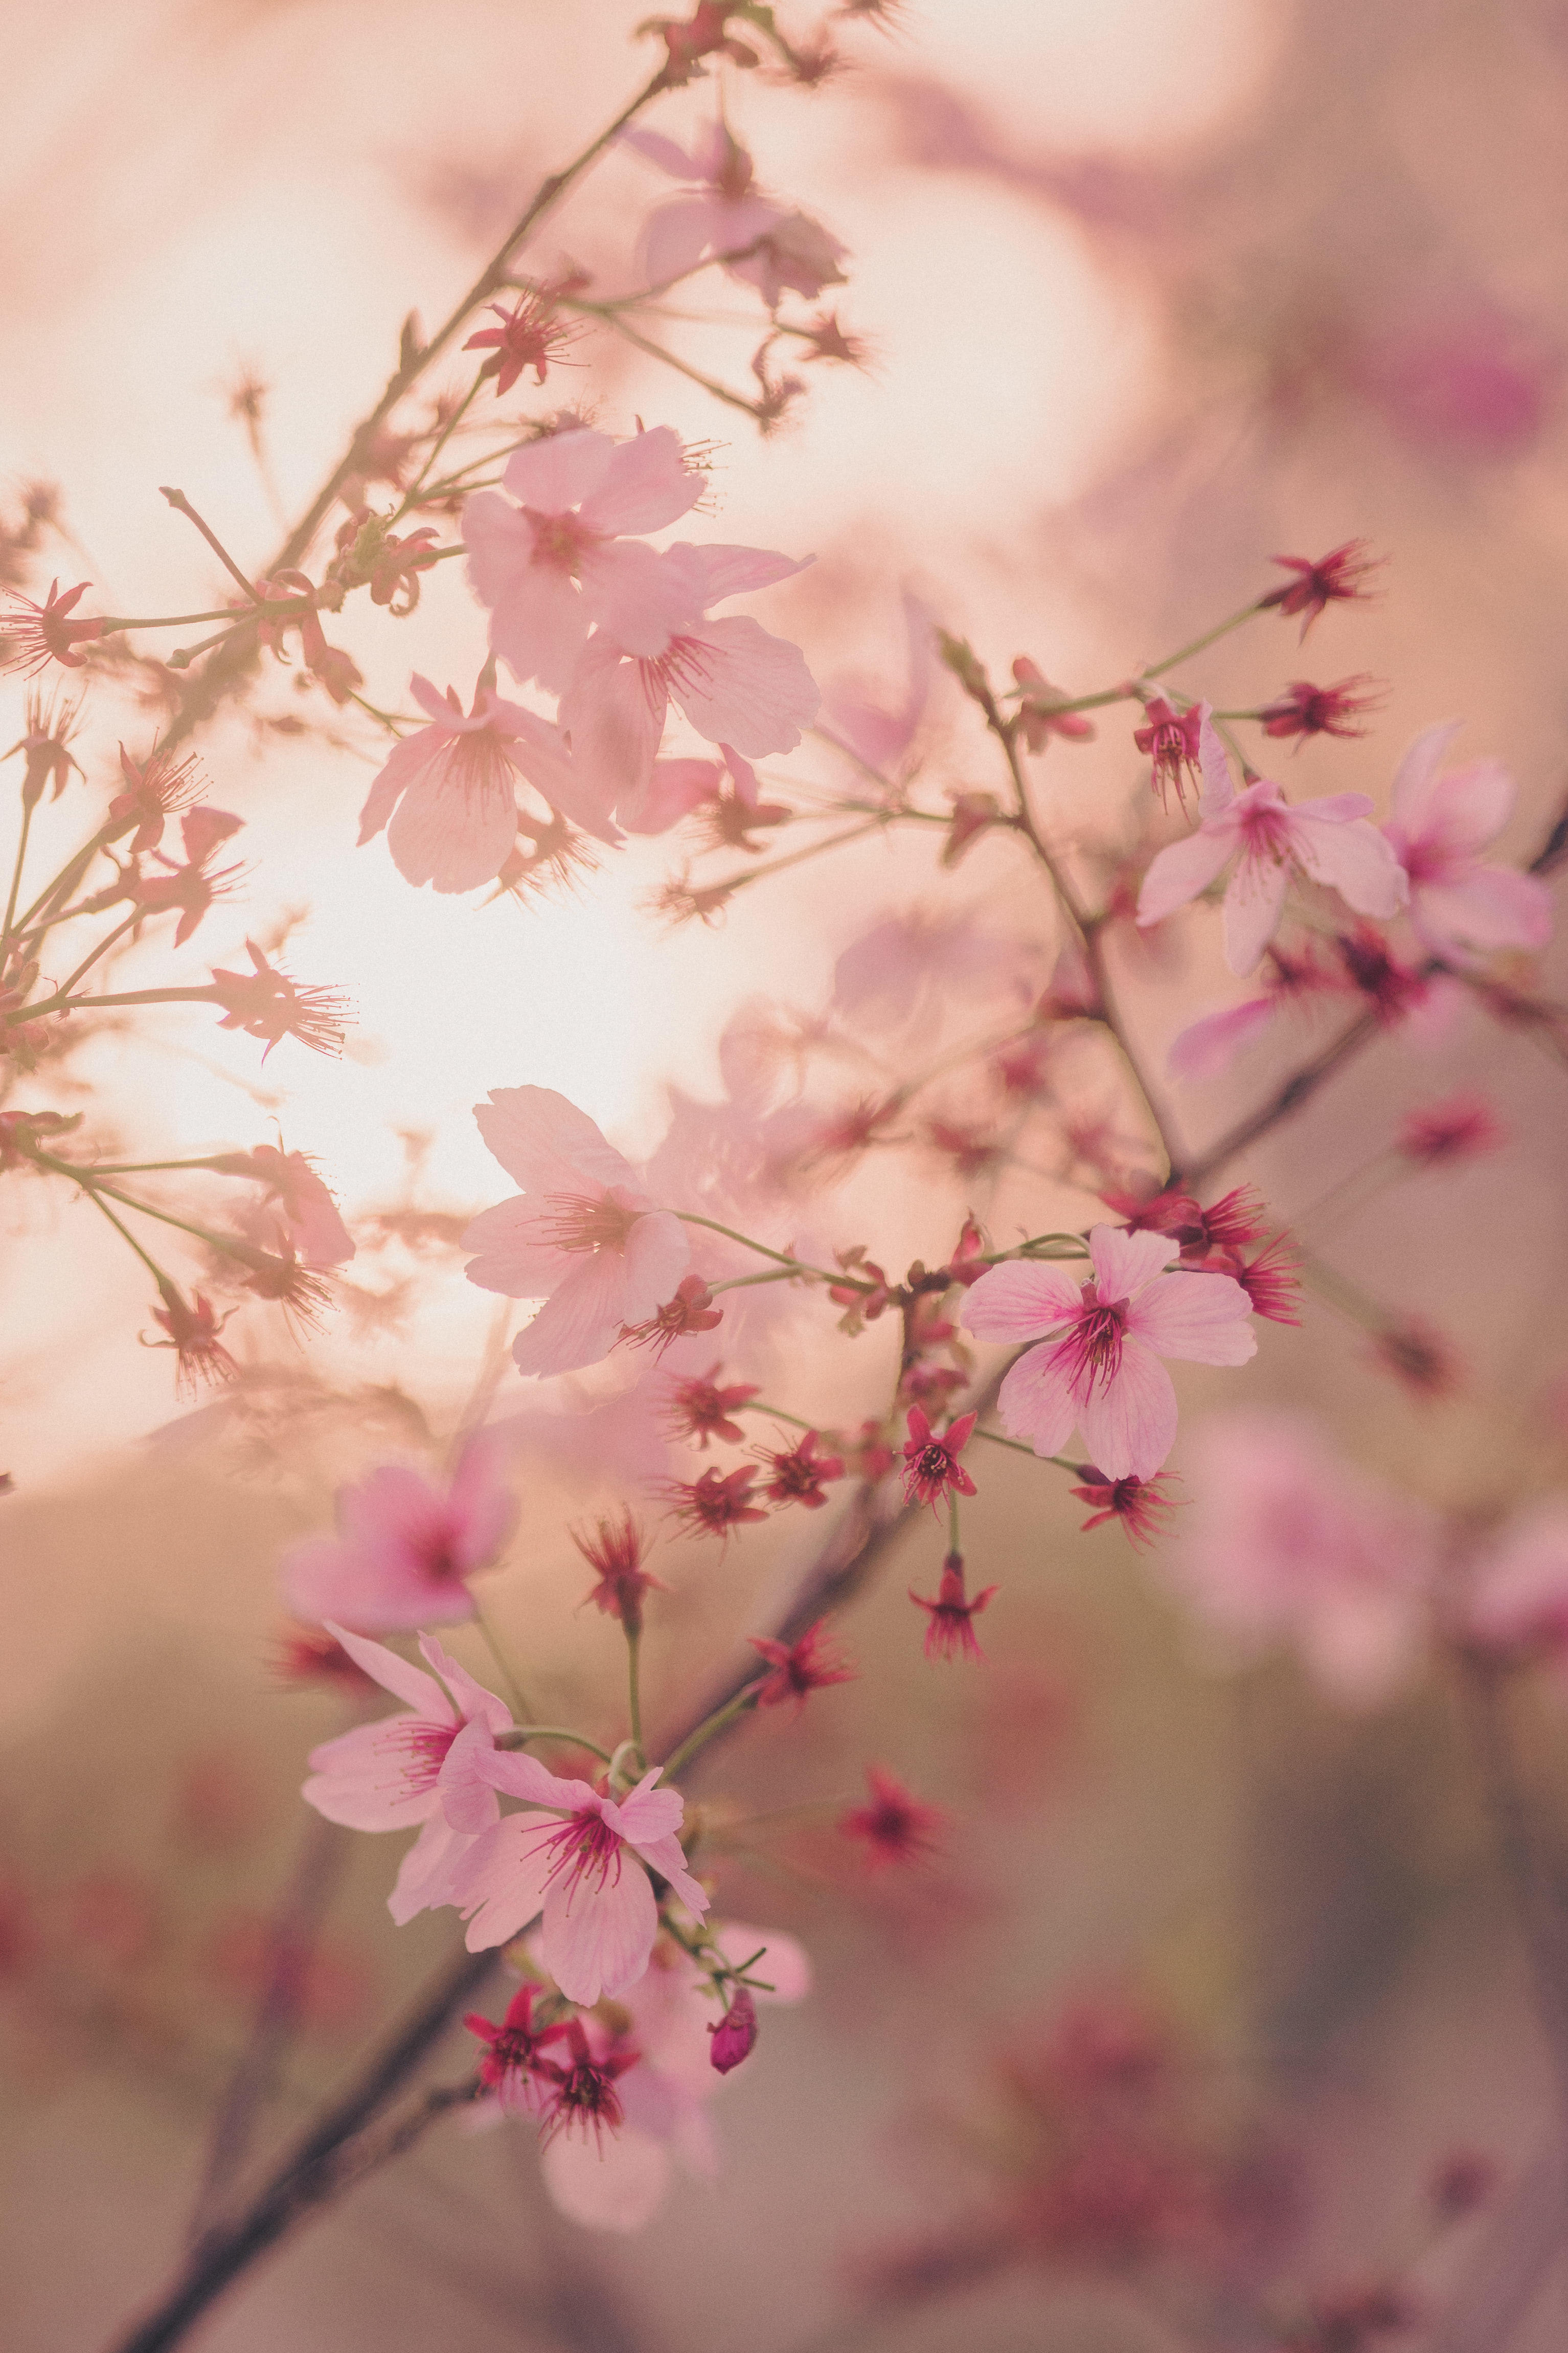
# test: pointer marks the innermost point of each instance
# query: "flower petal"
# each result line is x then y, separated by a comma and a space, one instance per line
1354, 860
395, 1674
558, 472
546, 1144
456, 832
500, 1881
1129, 1425
1020, 1300
1253, 906
425, 1875
1183, 868
615, 2185
1124, 1262
596, 1939
580, 1322
647, 485
1036, 1400
750, 689
1205, 1319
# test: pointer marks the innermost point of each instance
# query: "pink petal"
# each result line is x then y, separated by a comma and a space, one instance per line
676, 235
560, 471
1253, 906
580, 1322
1036, 1401
500, 1881
1183, 868
1129, 1425
375, 1592
657, 1253
537, 624
404, 766
1469, 806
1493, 907
546, 1144
522, 1775
456, 832
1414, 778
661, 151
425, 1875
595, 1940
1019, 1301
509, 1253
615, 714
1352, 858
1124, 1262
359, 1779
1219, 791
541, 752
1206, 1048
721, 570
639, 597
646, 1812
673, 789
614, 2186
665, 1856
475, 1704
647, 485
486, 1506
395, 1674
1205, 1319
464, 1791
750, 689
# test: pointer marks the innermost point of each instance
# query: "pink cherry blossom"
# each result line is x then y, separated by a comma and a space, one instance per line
908, 966
558, 561
1440, 823
725, 214
1101, 1371
1326, 841
577, 1857
450, 790
656, 644
404, 1548
1518, 1600
675, 787
1285, 1541
666, 2097
580, 1235
859, 716
314, 1230
390, 1774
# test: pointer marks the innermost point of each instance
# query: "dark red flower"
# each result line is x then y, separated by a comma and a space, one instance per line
580, 2095
798, 1475
698, 1409
931, 1467
690, 1310
714, 1503
1272, 1280
530, 335
1141, 1505
614, 1553
513, 2066
1334, 578
735, 2035
950, 1630
895, 1826
308, 1654
1169, 737
1307, 710
798, 1670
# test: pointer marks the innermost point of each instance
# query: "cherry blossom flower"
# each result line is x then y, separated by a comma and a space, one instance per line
530, 334
799, 1668
408, 1768
895, 1826
672, 2014
614, 1553
405, 1549
1516, 1602
698, 1409
690, 1310
1326, 841
578, 1857
1143, 1506
763, 244
907, 966
656, 644
1460, 1127
798, 1475
1334, 578
44, 746
558, 560
267, 1003
156, 788
447, 795
735, 2034
1460, 906
32, 635
309, 1215
583, 2097
1306, 710
1284, 1541
193, 1326
193, 885
714, 1503
580, 1235
1102, 1371
1169, 737
931, 1467
1038, 720
950, 1630
856, 713
513, 2067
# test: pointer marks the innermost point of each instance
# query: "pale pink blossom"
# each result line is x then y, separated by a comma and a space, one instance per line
402, 1770
1100, 1366
724, 213
580, 1235
449, 790
560, 560
404, 1548
664, 2098
656, 644
910, 965
312, 1226
1326, 841
1284, 1541
581, 1860
1518, 1600
1440, 823
855, 710
675, 787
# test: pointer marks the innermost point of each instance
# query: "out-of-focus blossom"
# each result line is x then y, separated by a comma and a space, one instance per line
894, 1826
950, 1618
268, 1003
1461, 1127
156, 788
1460, 377
308, 1654
45, 745
1328, 840
578, 1858
309, 1215
1306, 710
1286, 1542
402, 1770
798, 1473
447, 795
1440, 822
797, 1669
405, 1549
1420, 1358
906, 964
1039, 721
32, 635
932, 1470
714, 1503
1517, 1599
1334, 578
563, 557
580, 1235
672, 2014
1103, 1374
878, 732
193, 884
1171, 739
768, 246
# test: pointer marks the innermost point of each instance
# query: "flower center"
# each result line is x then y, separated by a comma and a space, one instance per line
586, 1849
1093, 1345
559, 541
577, 1221
420, 1750
683, 666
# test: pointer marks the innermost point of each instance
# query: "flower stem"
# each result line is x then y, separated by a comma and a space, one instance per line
710, 1728
525, 1733
634, 1692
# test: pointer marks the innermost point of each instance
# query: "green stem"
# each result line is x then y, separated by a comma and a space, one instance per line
633, 1690
503, 1665
154, 1269
28, 808
709, 384
778, 1413
738, 882
781, 1258
87, 1180
1016, 1446
1200, 645
525, 1733
437, 447
710, 1728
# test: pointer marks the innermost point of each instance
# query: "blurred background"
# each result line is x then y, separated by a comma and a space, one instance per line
1155, 290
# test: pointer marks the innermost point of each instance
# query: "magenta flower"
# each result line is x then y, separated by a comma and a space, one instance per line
1284, 1541
555, 563
514, 2068
737, 684
1326, 841
1460, 906
388, 1776
580, 1235
404, 1548
931, 1468
450, 790
582, 1860
1100, 1366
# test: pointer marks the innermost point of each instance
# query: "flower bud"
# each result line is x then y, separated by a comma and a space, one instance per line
735, 2032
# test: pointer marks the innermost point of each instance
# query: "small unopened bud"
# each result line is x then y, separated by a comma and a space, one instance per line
735, 2032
